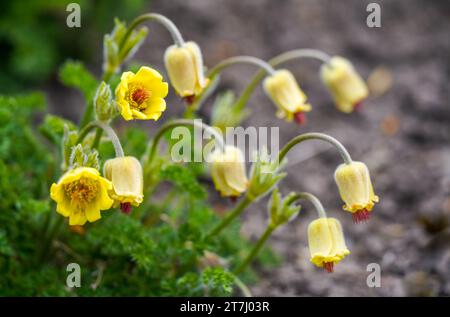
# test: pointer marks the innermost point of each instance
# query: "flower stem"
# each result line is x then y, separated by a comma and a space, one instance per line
109, 131
267, 68
255, 249
277, 61
181, 122
49, 239
315, 136
168, 24
313, 199
240, 207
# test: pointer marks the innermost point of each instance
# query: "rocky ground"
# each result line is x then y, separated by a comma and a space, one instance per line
402, 134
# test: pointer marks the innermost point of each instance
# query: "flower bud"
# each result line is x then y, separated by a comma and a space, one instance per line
185, 68
103, 102
228, 171
285, 92
356, 190
346, 86
326, 243
125, 173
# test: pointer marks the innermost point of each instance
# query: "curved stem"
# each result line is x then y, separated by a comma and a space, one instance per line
244, 289
241, 60
183, 122
168, 24
243, 203
315, 136
313, 199
255, 249
109, 131
278, 60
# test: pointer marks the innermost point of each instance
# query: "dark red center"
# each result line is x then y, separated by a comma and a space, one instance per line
126, 208
300, 118
362, 215
233, 199
189, 99
358, 106
140, 95
328, 266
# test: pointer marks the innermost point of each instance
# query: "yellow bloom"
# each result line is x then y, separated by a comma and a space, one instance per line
228, 172
284, 91
185, 68
356, 190
141, 95
125, 173
326, 243
346, 86
80, 194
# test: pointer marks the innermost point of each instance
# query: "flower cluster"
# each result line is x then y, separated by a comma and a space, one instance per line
83, 192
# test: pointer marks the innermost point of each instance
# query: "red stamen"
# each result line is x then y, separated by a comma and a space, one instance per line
300, 118
361, 216
328, 266
189, 99
358, 107
233, 199
126, 208
140, 95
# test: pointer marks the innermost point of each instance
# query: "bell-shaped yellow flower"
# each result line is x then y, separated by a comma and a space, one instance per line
126, 176
228, 171
185, 68
346, 86
80, 194
285, 92
326, 243
356, 190
141, 95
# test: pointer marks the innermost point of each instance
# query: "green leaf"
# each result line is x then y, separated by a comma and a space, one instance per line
74, 74
53, 128
184, 179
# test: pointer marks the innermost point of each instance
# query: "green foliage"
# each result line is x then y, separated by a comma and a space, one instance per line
74, 74
184, 179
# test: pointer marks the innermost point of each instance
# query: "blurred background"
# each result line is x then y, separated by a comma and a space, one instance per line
402, 132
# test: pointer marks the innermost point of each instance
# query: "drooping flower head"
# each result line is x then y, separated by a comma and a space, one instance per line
326, 243
285, 92
80, 194
125, 173
141, 95
228, 171
356, 190
346, 86
185, 68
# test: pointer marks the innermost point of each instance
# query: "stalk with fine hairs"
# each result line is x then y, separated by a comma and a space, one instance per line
270, 228
151, 150
109, 131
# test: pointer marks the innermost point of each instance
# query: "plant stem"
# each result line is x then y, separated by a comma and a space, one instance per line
176, 123
315, 136
49, 239
240, 207
241, 60
313, 199
109, 131
255, 249
168, 24
276, 61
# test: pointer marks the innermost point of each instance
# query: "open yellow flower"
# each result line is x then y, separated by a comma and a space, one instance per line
185, 68
346, 86
80, 194
228, 171
326, 243
141, 95
285, 92
125, 173
356, 190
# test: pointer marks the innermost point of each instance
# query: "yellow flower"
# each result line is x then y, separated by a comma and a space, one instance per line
125, 173
356, 190
185, 68
80, 194
284, 91
228, 171
346, 86
141, 95
326, 243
